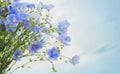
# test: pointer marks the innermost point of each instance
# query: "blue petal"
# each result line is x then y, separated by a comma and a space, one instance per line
53, 53
17, 55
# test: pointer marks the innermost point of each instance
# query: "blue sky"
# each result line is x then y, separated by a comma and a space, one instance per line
95, 32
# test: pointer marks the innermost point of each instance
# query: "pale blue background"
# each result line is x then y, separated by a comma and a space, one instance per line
95, 32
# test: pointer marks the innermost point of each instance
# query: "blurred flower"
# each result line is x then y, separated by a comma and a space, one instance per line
1, 21
26, 24
35, 29
31, 5
17, 55
39, 6
23, 16
15, 8
16, 0
35, 46
12, 10
13, 19
64, 39
10, 28
48, 7
63, 26
75, 60
53, 53
34, 17
18, 5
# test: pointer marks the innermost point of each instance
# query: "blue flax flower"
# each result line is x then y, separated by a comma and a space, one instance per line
63, 27
12, 9
64, 39
35, 46
75, 60
13, 19
15, 8
53, 53
17, 55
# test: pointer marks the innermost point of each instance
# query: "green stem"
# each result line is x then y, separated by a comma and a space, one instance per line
53, 66
11, 66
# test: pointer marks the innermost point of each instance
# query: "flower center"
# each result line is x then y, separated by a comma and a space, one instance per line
14, 20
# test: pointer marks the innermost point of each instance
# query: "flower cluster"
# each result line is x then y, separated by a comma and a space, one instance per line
26, 32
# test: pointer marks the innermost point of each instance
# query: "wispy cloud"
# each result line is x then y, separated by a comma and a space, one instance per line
106, 48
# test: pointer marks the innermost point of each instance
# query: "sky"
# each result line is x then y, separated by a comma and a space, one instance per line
95, 33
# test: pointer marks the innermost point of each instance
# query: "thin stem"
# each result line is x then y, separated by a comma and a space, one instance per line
22, 66
53, 66
19, 67
11, 66
65, 57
